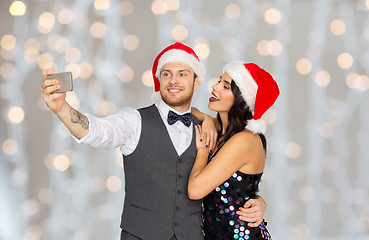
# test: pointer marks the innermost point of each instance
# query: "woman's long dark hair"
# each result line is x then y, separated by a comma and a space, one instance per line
237, 118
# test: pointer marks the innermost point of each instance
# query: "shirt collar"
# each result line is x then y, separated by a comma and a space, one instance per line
164, 109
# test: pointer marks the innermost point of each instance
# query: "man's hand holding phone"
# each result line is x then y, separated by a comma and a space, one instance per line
53, 89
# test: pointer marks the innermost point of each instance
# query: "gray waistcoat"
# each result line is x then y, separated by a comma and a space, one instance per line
156, 204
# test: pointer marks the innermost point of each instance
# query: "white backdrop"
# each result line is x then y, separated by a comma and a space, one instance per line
315, 181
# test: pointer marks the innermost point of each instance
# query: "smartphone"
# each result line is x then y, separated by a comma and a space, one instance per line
65, 81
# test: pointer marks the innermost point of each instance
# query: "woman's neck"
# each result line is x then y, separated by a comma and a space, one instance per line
224, 118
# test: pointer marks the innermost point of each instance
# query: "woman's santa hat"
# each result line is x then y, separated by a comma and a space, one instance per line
177, 52
258, 89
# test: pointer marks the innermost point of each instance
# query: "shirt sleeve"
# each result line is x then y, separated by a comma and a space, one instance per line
118, 130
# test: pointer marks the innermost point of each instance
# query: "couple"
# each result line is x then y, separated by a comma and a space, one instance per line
163, 180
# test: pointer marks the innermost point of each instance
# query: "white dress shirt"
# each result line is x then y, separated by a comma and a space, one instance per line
124, 130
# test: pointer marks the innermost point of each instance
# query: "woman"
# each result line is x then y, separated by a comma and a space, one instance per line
229, 177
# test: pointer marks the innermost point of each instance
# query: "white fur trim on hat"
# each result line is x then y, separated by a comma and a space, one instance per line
243, 79
156, 97
256, 126
176, 55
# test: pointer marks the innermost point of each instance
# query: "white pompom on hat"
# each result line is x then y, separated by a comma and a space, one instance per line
177, 52
258, 89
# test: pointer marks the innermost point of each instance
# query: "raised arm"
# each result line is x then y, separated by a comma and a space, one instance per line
76, 122
210, 127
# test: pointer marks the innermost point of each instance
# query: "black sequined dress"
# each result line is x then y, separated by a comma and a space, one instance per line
220, 220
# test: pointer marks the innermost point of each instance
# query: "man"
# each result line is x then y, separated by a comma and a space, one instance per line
158, 148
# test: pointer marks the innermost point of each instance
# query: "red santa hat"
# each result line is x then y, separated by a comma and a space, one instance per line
258, 89
177, 52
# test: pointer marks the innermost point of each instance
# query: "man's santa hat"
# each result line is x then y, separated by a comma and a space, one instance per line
258, 89
177, 52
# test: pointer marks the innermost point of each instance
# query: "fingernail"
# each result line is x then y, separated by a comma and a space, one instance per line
200, 140
211, 152
206, 146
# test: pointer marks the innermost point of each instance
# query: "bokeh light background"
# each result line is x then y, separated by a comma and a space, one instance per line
316, 179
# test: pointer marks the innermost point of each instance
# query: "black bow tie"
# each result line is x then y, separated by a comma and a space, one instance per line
174, 117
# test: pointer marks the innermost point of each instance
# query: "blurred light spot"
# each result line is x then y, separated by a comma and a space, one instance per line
126, 74
322, 78
336, 117
179, 33
97, 184
353, 80
113, 183
31, 207
86, 70
7, 70
172, 5
65, 16
233, 11
293, 150
331, 163
367, 3
34, 232
31, 54
104, 108
301, 231
262, 48
16, 114
45, 61
296, 173
131, 42
362, 224
32, 42
61, 163
326, 130
61, 45
45, 195
46, 22
338, 27
19, 176
10, 147
98, 29
364, 83
306, 193
274, 47
202, 50
72, 99
17, 8
270, 116
48, 160
147, 79
73, 55
126, 8
75, 69
81, 235
303, 66
272, 16
360, 196
102, 4
8, 42
159, 7
345, 60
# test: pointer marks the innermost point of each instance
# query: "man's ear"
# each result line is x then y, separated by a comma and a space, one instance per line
197, 82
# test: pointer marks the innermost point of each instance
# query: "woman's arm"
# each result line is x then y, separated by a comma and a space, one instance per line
206, 177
